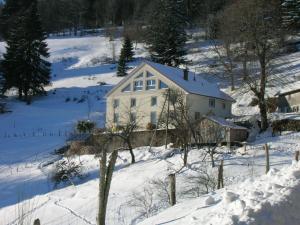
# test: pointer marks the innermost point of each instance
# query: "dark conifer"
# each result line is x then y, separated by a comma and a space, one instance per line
128, 49
122, 67
166, 34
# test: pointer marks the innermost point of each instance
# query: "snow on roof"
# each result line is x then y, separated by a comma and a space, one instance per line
196, 84
225, 123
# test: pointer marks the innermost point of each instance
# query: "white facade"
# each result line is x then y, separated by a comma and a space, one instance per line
141, 95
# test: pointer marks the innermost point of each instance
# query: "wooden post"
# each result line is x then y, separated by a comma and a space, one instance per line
220, 175
172, 183
37, 222
297, 156
267, 158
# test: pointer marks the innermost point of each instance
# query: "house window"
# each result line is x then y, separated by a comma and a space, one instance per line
126, 89
116, 118
149, 74
151, 84
223, 105
133, 102
197, 115
116, 103
162, 85
153, 118
138, 85
133, 117
153, 101
212, 103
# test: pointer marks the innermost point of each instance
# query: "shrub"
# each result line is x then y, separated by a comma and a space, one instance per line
67, 99
150, 126
85, 126
66, 171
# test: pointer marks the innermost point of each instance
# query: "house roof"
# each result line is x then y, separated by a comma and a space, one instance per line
224, 123
196, 84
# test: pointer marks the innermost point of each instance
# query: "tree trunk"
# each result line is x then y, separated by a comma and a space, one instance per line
132, 156
20, 92
262, 101
185, 156
106, 173
212, 159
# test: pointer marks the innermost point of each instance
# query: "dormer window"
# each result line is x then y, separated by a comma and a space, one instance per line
151, 84
138, 85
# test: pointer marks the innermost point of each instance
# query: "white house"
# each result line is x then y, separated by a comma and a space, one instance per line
141, 95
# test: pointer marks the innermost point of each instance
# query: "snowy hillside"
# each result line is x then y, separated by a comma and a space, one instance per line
271, 199
81, 76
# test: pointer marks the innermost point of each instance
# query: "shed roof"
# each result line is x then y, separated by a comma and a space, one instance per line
224, 123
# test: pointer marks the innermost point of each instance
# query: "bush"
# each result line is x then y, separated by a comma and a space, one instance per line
85, 126
150, 126
66, 171
67, 99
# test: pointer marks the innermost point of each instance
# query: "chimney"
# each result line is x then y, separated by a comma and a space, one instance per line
186, 74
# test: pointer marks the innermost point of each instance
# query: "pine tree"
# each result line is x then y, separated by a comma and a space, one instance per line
291, 14
122, 67
128, 49
24, 64
166, 34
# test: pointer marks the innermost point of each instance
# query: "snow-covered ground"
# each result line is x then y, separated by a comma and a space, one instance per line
80, 79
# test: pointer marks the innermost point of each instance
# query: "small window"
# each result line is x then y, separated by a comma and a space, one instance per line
149, 74
151, 84
133, 102
126, 89
153, 101
116, 103
153, 118
133, 117
223, 105
212, 103
162, 85
138, 85
116, 118
139, 76
197, 115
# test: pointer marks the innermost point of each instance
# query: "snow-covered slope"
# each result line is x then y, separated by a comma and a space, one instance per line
271, 199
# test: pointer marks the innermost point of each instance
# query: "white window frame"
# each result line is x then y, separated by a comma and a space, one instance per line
138, 85
152, 85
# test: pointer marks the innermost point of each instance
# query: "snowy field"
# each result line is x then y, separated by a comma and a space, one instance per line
80, 79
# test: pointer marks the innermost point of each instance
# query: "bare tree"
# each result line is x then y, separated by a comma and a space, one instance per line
125, 129
257, 31
180, 118
106, 173
211, 135
201, 182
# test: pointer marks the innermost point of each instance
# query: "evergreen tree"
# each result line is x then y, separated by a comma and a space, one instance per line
291, 14
24, 64
128, 49
122, 67
166, 34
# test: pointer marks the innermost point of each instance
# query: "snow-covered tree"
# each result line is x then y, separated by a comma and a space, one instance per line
166, 34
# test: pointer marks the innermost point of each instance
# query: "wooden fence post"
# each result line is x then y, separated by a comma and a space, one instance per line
172, 183
37, 222
220, 175
267, 158
297, 156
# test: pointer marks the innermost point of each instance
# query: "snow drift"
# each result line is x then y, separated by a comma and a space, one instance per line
273, 198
